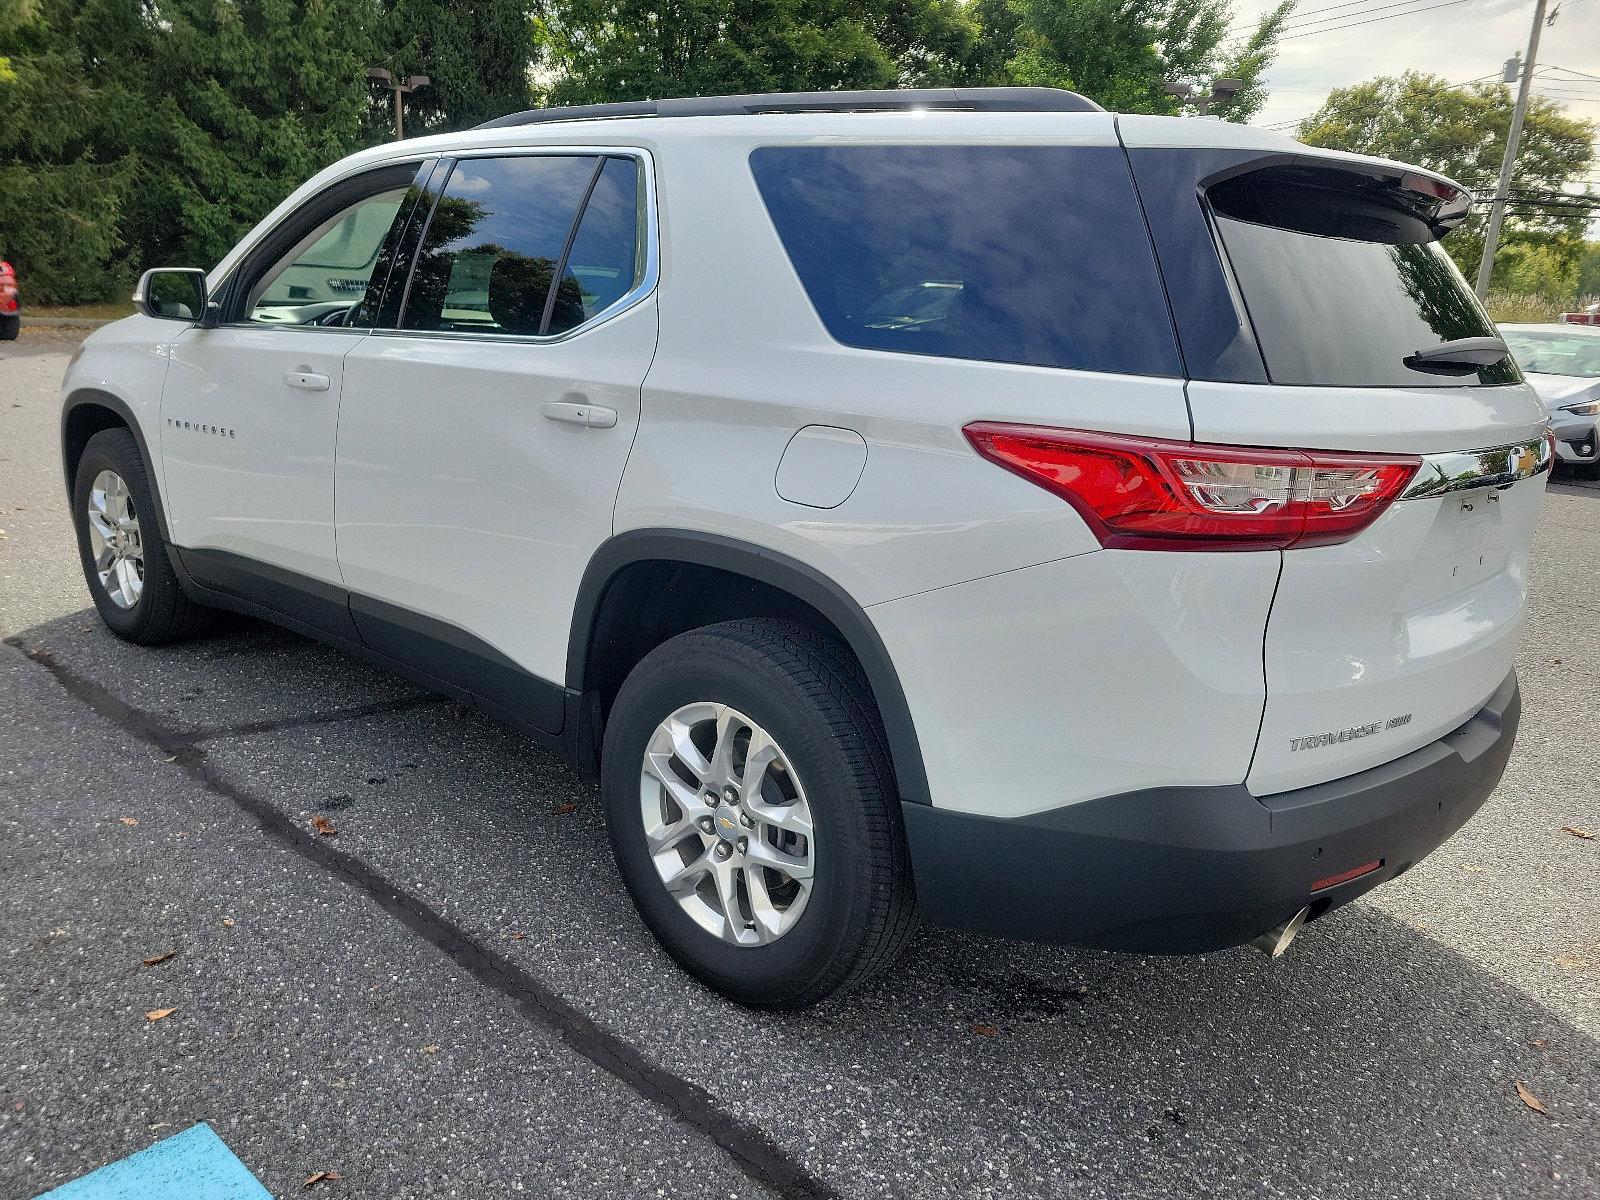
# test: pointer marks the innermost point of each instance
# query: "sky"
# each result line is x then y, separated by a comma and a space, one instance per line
1461, 40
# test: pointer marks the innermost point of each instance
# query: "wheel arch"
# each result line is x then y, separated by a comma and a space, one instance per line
88, 411
778, 576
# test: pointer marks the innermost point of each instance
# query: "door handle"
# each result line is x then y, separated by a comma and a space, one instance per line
307, 381
591, 416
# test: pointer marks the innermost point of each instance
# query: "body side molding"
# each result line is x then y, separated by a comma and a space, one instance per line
803, 582
433, 653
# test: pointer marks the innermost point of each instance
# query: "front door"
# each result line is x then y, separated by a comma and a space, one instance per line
250, 408
482, 440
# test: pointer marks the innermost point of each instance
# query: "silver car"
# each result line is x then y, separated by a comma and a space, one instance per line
1562, 362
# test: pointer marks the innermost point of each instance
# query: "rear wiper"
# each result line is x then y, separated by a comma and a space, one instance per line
1464, 356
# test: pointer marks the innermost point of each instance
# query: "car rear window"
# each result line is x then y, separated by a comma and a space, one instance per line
1012, 254
1342, 290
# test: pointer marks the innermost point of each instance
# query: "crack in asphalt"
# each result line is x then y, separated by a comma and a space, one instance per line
751, 1149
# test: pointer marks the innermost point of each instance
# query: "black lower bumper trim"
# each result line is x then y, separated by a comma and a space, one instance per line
1186, 870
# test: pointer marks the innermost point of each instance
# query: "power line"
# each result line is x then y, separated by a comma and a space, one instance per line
1294, 26
1374, 20
1569, 71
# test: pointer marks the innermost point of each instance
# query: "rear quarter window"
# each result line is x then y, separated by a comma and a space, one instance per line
1034, 254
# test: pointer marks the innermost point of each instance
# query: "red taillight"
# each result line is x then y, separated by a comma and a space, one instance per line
1145, 494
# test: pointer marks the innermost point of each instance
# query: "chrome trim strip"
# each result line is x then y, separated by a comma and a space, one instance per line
1470, 470
641, 290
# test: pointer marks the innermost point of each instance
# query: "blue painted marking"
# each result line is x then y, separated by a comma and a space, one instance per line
192, 1165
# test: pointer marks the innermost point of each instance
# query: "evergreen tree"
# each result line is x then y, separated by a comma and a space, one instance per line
479, 57
139, 137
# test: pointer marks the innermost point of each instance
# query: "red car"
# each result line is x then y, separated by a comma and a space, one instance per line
10, 318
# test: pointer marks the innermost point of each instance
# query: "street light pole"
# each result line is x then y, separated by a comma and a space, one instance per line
382, 77
1221, 90
1497, 206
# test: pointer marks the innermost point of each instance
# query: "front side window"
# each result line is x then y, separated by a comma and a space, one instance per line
497, 239
1012, 254
329, 270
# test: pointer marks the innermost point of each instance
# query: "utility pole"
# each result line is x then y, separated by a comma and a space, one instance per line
382, 77
1497, 206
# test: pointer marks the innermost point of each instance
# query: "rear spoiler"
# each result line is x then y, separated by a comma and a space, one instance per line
1352, 197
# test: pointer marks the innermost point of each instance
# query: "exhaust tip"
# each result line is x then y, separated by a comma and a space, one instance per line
1276, 940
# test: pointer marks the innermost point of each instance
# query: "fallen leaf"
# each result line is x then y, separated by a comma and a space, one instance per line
157, 1014
1539, 1043
519, 937
323, 827
430, 1049
229, 922
129, 820
563, 809
172, 758
985, 1030
1530, 1099
1566, 960
1472, 867
323, 1177
155, 960
1585, 834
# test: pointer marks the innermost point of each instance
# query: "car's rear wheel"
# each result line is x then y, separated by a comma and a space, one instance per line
10, 326
753, 813
124, 556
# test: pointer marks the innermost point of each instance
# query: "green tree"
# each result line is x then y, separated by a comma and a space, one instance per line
1123, 53
606, 50
479, 56
1461, 132
1589, 271
140, 137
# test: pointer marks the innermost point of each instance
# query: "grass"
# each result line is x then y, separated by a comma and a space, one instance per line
109, 311
1517, 308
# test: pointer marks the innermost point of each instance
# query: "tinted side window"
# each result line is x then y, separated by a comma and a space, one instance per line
605, 260
1031, 254
493, 242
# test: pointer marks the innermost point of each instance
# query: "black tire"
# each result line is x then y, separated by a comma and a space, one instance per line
10, 326
162, 613
811, 696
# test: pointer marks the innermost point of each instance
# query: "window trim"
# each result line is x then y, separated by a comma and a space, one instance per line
642, 289
228, 287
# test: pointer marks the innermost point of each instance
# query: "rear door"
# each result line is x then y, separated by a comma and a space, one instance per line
482, 439
1308, 293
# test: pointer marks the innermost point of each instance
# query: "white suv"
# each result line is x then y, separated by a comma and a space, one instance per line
1065, 525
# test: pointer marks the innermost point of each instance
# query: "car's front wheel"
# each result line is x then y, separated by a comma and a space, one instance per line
124, 556
10, 326
753, 814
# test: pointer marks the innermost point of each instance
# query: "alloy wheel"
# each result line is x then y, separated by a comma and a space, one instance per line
114, 539
727, 824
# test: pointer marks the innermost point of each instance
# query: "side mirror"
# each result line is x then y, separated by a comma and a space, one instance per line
176, 294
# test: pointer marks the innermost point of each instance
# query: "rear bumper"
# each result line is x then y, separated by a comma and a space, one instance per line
1186, 870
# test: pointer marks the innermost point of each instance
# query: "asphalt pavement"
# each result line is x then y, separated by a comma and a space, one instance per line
451, 996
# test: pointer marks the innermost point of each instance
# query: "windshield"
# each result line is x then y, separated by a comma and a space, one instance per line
1551, 353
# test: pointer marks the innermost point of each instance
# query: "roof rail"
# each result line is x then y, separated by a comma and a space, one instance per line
990, 99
